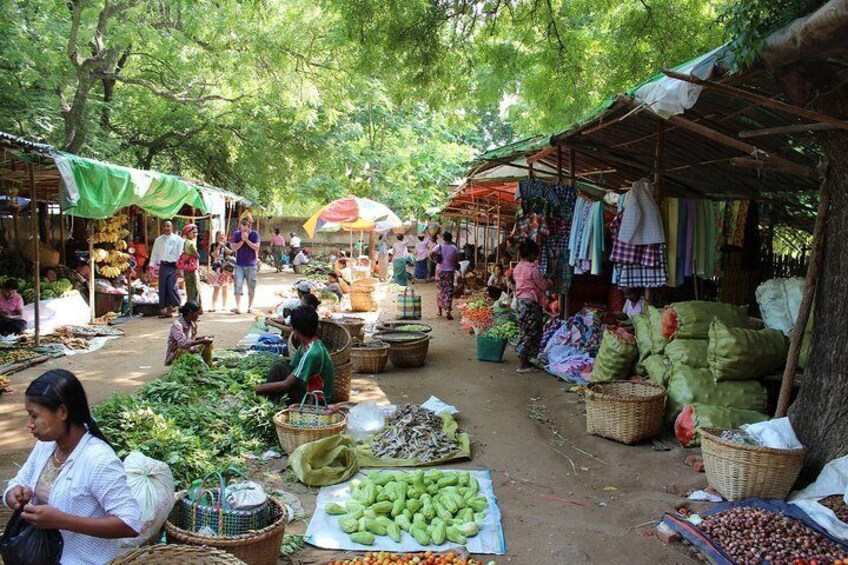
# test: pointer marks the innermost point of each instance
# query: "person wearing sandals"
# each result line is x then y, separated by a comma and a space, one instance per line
223, 265
191, 278
530, 289
311, 368
246, 246
446, 256
166, 252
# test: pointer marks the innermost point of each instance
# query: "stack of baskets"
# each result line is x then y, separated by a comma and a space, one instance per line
406, 349
258, 547
162, 554
369, 358
354, 326
625, 411
337, 340
361, 295
739, 471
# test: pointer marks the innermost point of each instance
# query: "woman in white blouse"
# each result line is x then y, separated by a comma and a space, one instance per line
72, 481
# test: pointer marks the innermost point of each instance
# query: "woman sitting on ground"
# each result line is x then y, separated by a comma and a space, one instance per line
334, 285
284, 324
497, 283
11, 309
72, 480
311, 368
183, 338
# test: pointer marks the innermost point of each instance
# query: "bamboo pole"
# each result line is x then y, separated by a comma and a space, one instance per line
486, 248
813, 268
62, 251
498, 237
91, 273
129, 271
33, 208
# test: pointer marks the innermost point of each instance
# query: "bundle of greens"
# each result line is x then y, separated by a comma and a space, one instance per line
196, 418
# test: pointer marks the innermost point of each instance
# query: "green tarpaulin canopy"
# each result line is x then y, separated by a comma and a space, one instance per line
97, 190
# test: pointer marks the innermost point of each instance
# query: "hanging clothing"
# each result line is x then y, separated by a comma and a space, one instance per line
642, 221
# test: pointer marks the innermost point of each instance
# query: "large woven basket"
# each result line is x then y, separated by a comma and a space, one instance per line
401, 325
162, 554
625, 411
260, 547
354, 327
406, 353
739, 471
370, 359
341, 383
361, 301
336, 339
291, 437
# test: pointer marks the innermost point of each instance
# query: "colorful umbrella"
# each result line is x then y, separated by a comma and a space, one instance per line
353, 214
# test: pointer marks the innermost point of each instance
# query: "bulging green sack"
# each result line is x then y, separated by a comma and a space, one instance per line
690, 352
644, 339
692, 319
656, 369
695, 416
740, 354
689, 386
658, 340
615, 358
328, 461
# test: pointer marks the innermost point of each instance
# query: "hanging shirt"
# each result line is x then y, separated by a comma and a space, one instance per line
166, 249
641, 223
313, 366
422, 249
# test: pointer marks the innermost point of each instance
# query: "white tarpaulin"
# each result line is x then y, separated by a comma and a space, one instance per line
833, 480
71, 310
324, 531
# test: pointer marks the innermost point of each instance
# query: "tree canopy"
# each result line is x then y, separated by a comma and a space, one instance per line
294, 102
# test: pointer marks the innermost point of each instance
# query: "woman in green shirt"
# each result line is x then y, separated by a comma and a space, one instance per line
311, 368
191, 278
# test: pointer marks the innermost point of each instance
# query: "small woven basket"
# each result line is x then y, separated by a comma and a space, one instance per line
625, 411
335, 338
162, 554
292, 436
407, 352
341, 384
739, 471
261, 547
369, 359
215, 516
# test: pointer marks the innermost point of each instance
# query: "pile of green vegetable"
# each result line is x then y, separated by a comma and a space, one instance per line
506, 330
196, 419
431, 507
48, 289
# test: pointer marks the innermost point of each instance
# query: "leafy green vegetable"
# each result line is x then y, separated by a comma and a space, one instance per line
195, 418
505, 330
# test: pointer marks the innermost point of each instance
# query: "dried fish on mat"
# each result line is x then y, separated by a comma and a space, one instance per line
92, 331
413, 432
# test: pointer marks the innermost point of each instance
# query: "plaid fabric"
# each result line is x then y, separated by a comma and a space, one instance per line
633, 275
627, 253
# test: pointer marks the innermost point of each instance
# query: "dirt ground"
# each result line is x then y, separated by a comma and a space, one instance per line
566, 497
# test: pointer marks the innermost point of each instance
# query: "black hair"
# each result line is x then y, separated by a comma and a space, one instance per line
333, 275
499, 266
400, 237
10, 284
310, 300
305, 321
189, 307
277, 231
59, 387
447, 236
528, 250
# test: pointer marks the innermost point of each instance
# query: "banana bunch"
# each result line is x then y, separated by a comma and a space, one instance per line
115, 258
121, 245
110, 272
100, 255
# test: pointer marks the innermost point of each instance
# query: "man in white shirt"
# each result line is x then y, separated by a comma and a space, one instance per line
302, 258
166, 252
295, 243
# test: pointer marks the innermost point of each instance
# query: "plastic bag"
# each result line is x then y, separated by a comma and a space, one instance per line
738, 353
151, 484
615, 357
692, 319
328, 461
689, 386
696, 416
659, 341
367, 418
775, 434
779, 301
24, 544
690, 352
246, 495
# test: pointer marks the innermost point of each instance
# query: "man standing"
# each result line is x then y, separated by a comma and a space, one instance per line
166, 252
422, 251
246, 246
294, 241
278, 245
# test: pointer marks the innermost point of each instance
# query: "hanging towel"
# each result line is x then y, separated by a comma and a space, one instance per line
673, 205
597, 237
642, 221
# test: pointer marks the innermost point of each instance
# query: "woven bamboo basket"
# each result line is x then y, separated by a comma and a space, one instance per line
361, 301
406, 353
399, 325
341, 384
355, 327
739, 471
336, 339
261, 547
625, 411
369, 359
291, 437
162, 554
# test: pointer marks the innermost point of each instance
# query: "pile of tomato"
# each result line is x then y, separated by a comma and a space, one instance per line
426, 558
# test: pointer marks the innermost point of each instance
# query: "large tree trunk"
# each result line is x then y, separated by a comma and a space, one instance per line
820, 413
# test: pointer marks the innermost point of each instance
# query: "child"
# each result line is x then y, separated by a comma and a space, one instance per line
11, 309
311, 368
635, 303
334, 285
530, 287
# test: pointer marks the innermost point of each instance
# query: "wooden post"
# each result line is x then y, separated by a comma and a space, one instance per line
33, 209
91, 272
476, 240
498, 238
572, 167
146, 240
371, 254
486, 248
129, 271
559, 163
658, 162
813, 268
62, 252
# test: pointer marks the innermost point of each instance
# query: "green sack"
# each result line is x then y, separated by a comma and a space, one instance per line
692, 319
615, 358
691, 352
657, 337
739, 354
656, 369
367, 458
688, 386
644, 339
695, 416
328, 461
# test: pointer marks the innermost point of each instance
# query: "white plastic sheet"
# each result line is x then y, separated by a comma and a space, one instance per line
324, 531
775, 434
832, 480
